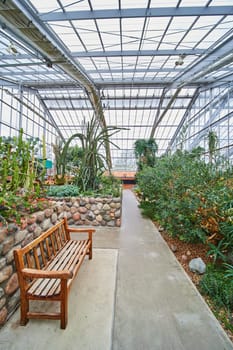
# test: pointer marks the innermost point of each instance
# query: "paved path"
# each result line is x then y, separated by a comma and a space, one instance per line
157, 307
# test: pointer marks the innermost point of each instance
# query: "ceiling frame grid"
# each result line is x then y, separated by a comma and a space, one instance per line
127, 67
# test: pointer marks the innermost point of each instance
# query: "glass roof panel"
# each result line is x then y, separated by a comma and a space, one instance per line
110, 33
132, 31
167, 3
192, 3
134, 4
130, 62
88, 34
79, 5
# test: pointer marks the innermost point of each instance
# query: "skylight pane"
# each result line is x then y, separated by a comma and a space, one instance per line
88, 34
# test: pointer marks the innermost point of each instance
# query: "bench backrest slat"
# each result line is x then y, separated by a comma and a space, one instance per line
37, 253
57, 240
36, 259
42, 253
53, 244
48, 247
28, 260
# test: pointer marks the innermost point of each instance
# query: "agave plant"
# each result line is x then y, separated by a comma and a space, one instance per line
60, 150
94, 161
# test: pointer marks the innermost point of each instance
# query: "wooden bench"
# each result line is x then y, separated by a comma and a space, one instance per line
47, 266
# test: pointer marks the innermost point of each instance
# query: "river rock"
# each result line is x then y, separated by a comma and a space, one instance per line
197, 265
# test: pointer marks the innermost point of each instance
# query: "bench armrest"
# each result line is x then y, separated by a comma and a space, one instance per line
90, 231
80, 230
35, 273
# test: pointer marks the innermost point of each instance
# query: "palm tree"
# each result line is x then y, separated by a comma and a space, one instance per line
212, 145
145, 150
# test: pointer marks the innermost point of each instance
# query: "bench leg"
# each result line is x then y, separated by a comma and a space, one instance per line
24, 308
90, 252
64, 304
64, 314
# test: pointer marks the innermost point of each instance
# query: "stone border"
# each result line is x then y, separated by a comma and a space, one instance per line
84, 211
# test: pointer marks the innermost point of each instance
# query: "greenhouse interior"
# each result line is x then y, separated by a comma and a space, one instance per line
117, 115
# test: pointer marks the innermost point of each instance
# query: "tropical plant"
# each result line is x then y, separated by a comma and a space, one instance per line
20, 173
93, 161
89, 162
62, 191
228, 270
219, 288
60, 150
216, 251
212, 145
74, 158
188, 198
110, 185
145, 152
18, 165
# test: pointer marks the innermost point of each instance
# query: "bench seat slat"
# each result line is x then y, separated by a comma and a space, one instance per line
36, 283
40, 283
66, 259
73, 266
52, 287
69, 264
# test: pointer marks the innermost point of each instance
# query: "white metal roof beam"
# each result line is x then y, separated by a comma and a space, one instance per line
116, 53
217, 58
137, 13
194, 98
91, 71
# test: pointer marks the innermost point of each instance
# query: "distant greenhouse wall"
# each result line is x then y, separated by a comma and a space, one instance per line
212, 110
20, 108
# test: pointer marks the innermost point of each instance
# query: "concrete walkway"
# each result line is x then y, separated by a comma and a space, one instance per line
133, 295
157, 307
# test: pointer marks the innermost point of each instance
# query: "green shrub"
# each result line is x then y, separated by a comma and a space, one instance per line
63, 191
188, 197
228, 270
148, 210
110, 185
218, 287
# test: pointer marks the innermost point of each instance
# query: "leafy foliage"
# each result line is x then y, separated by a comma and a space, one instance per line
189, 198
219, 288
74, 158
63, 191
228, 270
93, 162
145, 152
20, 174
216, 251
109, 185
212, 145
62, 155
